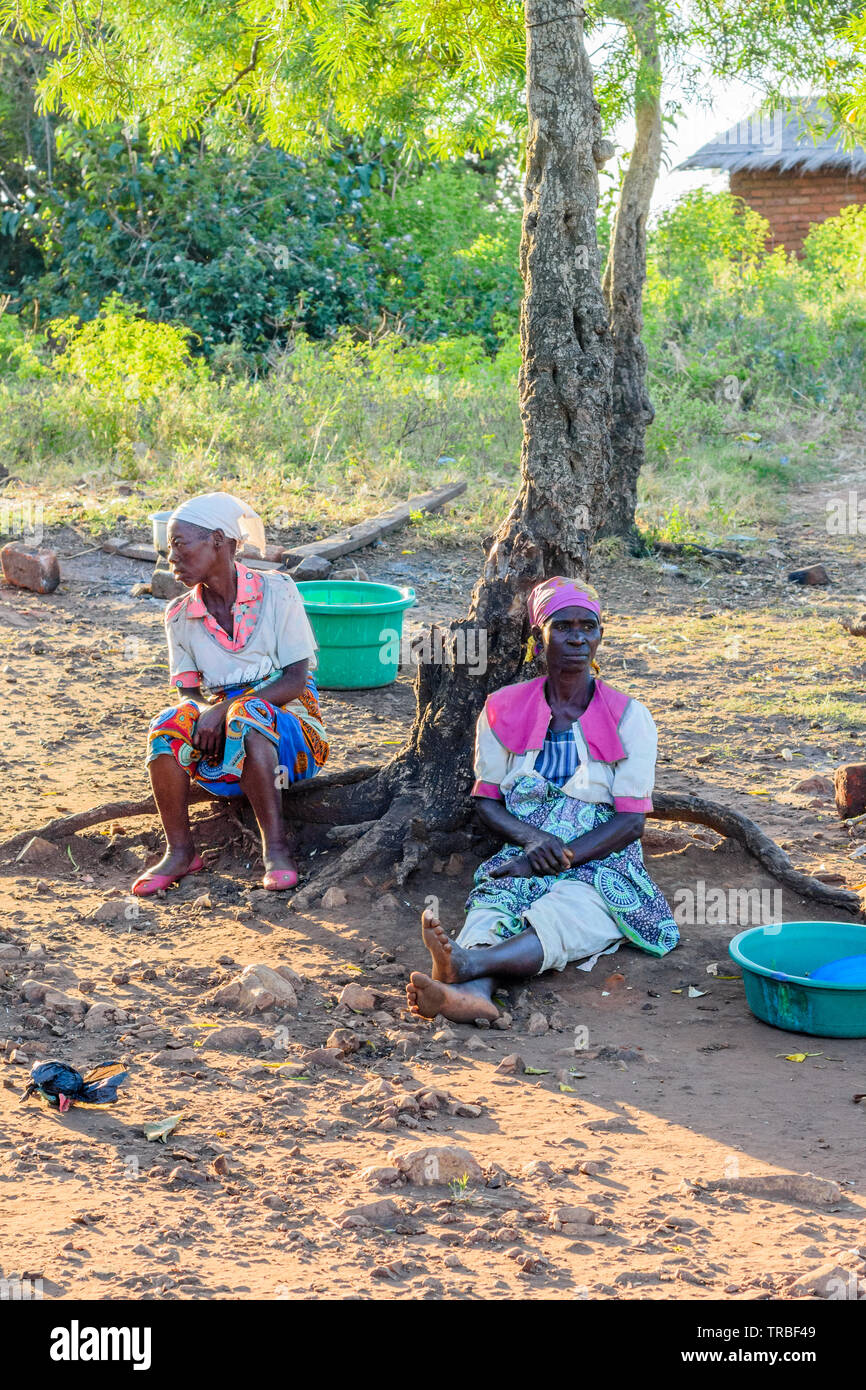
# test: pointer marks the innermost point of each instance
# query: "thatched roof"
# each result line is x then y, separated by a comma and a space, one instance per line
783, 142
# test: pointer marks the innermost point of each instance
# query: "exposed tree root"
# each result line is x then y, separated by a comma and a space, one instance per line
734, 825
62, 826
376, 844
401, 838
81, 820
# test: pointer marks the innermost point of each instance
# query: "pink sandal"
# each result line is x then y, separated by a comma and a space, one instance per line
147, 884
279, 880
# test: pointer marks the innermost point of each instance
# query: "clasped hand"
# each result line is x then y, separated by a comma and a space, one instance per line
543, 855
210, 730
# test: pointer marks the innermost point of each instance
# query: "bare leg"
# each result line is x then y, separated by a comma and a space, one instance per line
171, 788
259, 784
455, 965
462, 984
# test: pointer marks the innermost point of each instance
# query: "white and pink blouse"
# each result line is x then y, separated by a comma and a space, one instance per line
616, 741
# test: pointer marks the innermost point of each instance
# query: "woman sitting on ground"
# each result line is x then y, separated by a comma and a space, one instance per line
240, 653
565, 767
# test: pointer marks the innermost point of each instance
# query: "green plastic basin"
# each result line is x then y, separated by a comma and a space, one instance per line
777, 962
359, 629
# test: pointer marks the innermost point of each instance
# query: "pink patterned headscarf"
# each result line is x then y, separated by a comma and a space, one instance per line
552, 594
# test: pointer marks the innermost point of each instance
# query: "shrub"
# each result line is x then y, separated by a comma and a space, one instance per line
121, 352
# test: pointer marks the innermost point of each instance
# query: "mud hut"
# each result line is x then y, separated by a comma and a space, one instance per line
790, 168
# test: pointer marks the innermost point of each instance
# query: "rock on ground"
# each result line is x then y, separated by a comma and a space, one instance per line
259, 987
442, 1163
786, 1187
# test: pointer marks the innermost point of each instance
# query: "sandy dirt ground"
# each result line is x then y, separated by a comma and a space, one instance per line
650, 1096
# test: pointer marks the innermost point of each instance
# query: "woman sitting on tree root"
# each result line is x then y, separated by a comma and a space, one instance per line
240, 650
565, 767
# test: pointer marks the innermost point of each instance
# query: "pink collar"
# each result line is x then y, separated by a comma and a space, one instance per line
519, 716
249, 588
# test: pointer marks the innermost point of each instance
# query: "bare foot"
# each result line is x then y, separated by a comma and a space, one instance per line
427, 998
278, 856
175, 861
449, 961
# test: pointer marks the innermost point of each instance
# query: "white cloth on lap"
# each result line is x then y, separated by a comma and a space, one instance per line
571, 921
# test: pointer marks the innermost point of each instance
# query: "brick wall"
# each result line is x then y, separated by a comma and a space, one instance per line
792, 202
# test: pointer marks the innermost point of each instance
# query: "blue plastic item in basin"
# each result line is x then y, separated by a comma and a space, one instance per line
850, 970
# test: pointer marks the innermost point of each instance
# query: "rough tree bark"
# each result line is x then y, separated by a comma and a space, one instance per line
625, 274
565, 404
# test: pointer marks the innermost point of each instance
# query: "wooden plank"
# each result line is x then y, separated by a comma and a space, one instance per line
146, 553
366, 532
331, 547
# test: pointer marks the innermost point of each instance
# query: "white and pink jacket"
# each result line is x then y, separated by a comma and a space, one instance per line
616, 741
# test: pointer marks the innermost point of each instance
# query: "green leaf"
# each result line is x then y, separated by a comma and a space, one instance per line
161, 1129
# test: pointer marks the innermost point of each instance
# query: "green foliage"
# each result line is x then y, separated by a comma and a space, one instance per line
120, 352
240, 250
740, 341
20, 355
448, 255
835, 250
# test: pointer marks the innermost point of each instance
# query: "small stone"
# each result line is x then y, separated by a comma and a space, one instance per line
444, 1036
335, 897
850, 789
164, 585
512, 1065
40, 853
323, 1057
344, 1040
354, 574
312, 567
233, 1038
383, 1174
538, 1168
358, 998
454, 866
504, 1021
537, 1024
19, 1058
27, 567
385, 1212
388, 903
103, 1015
814, 786
830, 1280
856, 625
435, 1164
220, 1166
258, 988
560, 1218
113, 910
813, 574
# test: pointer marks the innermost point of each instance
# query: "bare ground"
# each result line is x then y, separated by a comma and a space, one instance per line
670, 1092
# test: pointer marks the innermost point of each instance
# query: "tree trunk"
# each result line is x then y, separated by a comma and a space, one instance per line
624, 278
565, 405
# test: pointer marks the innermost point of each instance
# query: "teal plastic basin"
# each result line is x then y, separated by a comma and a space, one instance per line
777, 964
359, 630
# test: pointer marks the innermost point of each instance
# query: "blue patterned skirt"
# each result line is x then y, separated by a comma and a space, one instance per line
634, 901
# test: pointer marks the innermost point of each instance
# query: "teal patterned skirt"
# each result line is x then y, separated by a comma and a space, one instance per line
636, 904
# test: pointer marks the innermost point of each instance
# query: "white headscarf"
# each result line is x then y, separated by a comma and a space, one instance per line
219, 511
